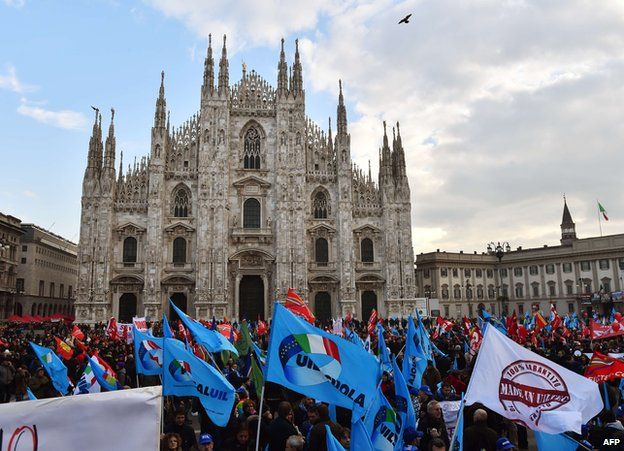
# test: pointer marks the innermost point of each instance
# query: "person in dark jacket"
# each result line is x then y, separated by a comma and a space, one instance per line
185, 431
282, 427
318, 438
433, 425
479, 436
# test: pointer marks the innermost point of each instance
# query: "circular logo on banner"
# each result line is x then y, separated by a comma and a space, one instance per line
309, 359
180, 370
151, 355
24, 438
528, 388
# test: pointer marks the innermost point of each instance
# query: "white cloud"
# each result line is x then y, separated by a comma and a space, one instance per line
11, 82
67, 119
15, 3
503, 105
30, 194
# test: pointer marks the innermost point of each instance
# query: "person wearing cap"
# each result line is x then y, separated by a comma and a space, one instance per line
504, 444
424, 396
411, 439
479, 436
206, 443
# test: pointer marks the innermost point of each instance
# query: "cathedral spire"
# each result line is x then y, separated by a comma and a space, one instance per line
224, 76
91, 158
400, 155
330, 139
160, 116
120, 175
297, 72
99, 147
282, 73
109, 155
208, 86
341, 113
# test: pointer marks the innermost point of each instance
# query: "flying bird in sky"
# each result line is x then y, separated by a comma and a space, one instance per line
405, 19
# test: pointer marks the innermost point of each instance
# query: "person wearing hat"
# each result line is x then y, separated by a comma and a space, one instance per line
504, 444
411, 439
206, 443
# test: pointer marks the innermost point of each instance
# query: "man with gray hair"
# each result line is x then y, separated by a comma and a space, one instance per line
479, 436
294, 443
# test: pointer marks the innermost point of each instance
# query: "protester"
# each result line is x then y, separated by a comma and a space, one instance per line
282, 427
433, 426
171, 442
183, 430
479, 436
206, 443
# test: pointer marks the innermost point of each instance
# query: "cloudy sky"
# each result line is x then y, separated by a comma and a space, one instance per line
504, 105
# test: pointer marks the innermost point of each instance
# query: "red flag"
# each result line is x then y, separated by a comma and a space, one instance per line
199, 351
63, 349
297, 306
348, 318
600, 331
540, 322
111, 329
444, 324
184, 332
555, 322
226, 330
603, 368
372, 322
475, 339
466, 324
512, 325
261, 328
77, 333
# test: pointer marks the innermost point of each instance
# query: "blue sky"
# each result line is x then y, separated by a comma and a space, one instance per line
504, 106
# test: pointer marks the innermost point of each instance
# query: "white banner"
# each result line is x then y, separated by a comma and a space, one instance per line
527, 388
124, 419
140, 323
450, 412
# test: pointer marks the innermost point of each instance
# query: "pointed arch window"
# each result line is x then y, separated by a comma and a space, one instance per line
181, 203
251, 158
179, 250
366, 250
130, 250
320, 205
321, 251
251, 214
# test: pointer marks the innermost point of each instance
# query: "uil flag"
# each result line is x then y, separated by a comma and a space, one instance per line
148, 353
415, 360
103, 373
186, 375
31, 395
87, 383
403, 402
318, 364
77, 333
212, 340
360, 439
63, 349
332, 443
382, 350
383, 425
53, 366
529, 389
167, 332
295, 304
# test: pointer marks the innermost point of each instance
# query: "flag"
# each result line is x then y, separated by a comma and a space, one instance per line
403, 402
602, 210
103, 373
372, 322
77, 333
414, 359
352, 337
512, 325
360, 439
476, 337
140, 323
261, 328
88, 382
111, 329
186, 375
603, 368
527, 388
599, 331
382, 350
560, 442
337, 328
457, 441
367, 344
296, 305
243, 344
53, 366
383, 425
257, 375
31, 395
318, 364
167, 331
212, 340
555, 319
228, 331
148, 353
332, 443
63, 349
540, 322
444, 324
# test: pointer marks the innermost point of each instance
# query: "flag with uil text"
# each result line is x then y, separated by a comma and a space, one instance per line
383, 425
53, 366
402, 400
148, 353
318, 364
414, 360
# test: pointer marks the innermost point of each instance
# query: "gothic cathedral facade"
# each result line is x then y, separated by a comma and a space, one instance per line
247, 198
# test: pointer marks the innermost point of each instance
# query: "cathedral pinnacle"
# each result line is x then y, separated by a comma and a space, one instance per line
208, 86
282, 75
109, 155
160, 115
341, 113
224, 77
297, 72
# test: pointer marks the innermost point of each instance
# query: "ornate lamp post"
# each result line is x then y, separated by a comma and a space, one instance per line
499, 250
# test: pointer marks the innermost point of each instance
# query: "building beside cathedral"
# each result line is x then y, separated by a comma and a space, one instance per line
245, 199
578, 275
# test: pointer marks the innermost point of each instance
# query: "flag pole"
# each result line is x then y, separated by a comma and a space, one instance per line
599, 221
259, 417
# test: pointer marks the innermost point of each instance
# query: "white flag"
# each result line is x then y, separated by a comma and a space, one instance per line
530, 389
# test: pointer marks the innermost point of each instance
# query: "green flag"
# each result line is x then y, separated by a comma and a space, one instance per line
256, 376
243, 345
602, 210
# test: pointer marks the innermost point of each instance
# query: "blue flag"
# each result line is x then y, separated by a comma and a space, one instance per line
560, 442
414, 360
403, 402
318, 364
103, 377
31, 396
382, 350
457, 441
332, 443
383, 425
53, 366
148, 353
260, 355
353, 337
186, 375
360, 439
166, 329
212, 340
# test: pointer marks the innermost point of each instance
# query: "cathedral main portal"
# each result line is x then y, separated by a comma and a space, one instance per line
179, 299
251, 298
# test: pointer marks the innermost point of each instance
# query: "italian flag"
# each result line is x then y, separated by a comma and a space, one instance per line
602, 210
315, 344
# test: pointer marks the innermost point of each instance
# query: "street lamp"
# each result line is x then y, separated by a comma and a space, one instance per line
428, 294
499, 250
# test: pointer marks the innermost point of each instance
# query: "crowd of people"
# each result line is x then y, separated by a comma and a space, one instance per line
290, 421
